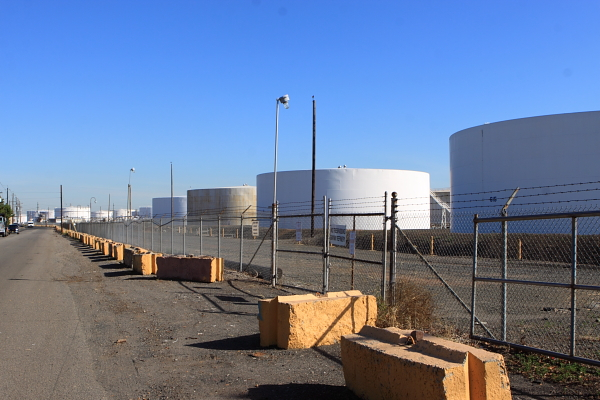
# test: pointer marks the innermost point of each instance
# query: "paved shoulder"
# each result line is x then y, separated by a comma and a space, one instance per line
42, 342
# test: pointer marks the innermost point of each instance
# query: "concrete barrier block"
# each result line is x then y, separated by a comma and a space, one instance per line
302, 321
117, 251
128, 253
105, 247
142, 263
197, 269
383, 364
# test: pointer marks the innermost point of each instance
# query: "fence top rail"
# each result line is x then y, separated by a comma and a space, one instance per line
379, 214
575, 214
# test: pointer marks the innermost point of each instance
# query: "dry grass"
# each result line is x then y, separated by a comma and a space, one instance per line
412, 308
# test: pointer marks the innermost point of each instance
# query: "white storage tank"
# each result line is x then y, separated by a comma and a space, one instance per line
228, 202
73, 212
363, 188
101, 215
539, 154
161, 207
119, 213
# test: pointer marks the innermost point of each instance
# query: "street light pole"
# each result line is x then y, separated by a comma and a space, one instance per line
285, 101
91, 207
129, 193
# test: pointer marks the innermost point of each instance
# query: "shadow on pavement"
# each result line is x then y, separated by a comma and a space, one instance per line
293, 391
248, 342
119, 273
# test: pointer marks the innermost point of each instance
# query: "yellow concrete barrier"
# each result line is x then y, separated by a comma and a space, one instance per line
128, 253
106, 247
117, 251
302, 321
384, 364
196, 269
145, 263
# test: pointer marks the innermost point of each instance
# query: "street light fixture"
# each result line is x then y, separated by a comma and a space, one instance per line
285, 99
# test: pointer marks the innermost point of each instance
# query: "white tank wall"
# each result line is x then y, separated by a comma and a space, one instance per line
101, 215
352, 183
161, 207
228, 201
530, 152
32, 215
119, 213
73, 212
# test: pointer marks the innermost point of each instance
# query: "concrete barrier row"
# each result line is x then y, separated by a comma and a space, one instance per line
145, 262
378, 364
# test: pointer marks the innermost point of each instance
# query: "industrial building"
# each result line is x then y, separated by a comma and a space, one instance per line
551, 158
351, 185
145, 212
227, 202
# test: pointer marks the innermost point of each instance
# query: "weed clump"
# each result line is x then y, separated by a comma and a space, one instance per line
412, 308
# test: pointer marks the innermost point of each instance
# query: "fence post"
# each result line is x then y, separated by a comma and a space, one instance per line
242, 241
473, 286
219, 237
573, 283
504, 273
274, 245
201, 250
354, 251
325, 245
394, 220
384, 251
184, 229
160, 233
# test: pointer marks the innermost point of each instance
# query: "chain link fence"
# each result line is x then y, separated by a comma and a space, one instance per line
373, 246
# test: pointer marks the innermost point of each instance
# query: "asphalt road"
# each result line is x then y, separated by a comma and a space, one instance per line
43, 347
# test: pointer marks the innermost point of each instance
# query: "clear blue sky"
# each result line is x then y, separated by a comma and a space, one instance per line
89, 89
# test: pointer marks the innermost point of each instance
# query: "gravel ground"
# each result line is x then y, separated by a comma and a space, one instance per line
156, 339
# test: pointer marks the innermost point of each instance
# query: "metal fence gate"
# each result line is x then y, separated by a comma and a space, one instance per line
536, 288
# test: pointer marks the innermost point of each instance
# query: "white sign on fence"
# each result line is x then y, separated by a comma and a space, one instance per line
255, 230
337, 235
298, 231
352, 244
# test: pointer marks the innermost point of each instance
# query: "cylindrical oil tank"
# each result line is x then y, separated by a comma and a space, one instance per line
73, 212
161, 207
145, 212
228, 203
32, 215
101, 215
119, 213
553, 159
352, 190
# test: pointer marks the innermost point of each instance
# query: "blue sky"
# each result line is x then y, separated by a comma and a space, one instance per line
89, 89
